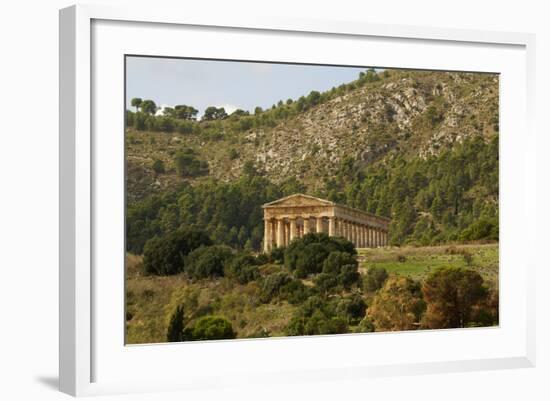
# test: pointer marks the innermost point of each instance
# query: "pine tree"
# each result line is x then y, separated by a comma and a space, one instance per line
175, 327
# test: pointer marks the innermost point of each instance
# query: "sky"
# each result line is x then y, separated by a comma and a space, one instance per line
228, 84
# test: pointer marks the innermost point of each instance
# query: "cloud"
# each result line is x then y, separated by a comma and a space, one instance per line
160, 110
229, 108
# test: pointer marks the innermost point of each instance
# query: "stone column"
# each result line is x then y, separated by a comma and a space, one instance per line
293, 229
354, 233
377, 237
371, 237
319, 225
267, 235
287, 233
307, 229
280, 233
363, 237
331, 226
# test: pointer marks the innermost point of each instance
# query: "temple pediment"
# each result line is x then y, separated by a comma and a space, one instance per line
299, 200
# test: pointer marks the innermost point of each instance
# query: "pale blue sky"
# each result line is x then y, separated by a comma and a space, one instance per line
231, 84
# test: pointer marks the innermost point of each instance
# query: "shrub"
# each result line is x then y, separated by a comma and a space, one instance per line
397, 306
451, 293
277, 255
165, 255
295, 292
212, 328
335, 260
339, 269
468, 258
189, 165
243, 268
273, 284
365, 326
348, 276
401, 258
175, 326
326, 282
208, 261
306, 255
484, 228
158, 166
352, 309
316, 316
374, 279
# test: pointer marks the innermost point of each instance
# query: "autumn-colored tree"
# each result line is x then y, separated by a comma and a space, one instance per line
398, 305
451, 294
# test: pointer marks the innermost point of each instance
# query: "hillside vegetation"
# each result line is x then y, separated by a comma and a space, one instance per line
421, 148
151, 300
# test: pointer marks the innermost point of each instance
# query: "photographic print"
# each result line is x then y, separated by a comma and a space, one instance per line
268, 199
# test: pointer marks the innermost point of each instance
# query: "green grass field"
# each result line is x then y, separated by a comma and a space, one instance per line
418, 262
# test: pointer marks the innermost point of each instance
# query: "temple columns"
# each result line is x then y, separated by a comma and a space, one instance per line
293, 230
267, 235
331, 226
306, 226
280, 233
319, 225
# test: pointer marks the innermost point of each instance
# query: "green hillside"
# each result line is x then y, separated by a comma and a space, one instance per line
418, 147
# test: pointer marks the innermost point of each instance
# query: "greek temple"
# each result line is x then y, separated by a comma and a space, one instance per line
297, 215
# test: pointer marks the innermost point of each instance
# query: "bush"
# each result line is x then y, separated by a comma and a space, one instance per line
158, 166
365, 326
175, 326
374, 279
306, 255
189, 165
243, 269
212, 328
468, 258
352, 309
397, 306
335, 260
484, 228
277, 255
316, 316
273, 284
208, 261
295, 292
339, 269
451, 294
326, 282
348, 276
165, 255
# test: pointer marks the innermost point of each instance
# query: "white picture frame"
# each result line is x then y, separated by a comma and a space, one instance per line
91, 354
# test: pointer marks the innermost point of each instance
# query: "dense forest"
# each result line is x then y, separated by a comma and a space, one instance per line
446, 198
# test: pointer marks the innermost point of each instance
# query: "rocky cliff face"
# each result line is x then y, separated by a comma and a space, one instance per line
411, 113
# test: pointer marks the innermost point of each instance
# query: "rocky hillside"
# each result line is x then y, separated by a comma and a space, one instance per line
408, 113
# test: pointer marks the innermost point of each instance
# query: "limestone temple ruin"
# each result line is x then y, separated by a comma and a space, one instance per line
296, 215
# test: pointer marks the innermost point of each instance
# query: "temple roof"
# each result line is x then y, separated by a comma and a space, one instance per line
300, 200
308, 200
